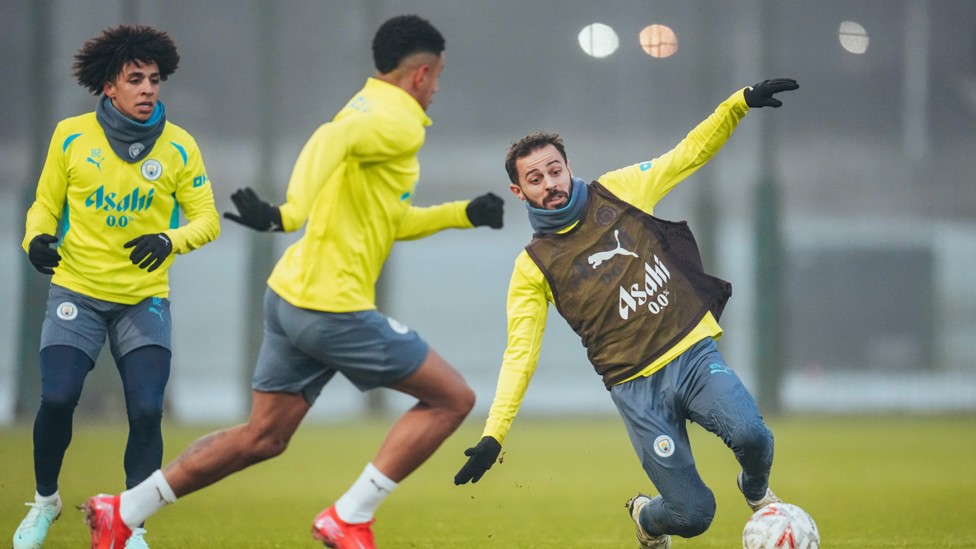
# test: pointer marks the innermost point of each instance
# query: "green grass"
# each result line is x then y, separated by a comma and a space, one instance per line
869, 482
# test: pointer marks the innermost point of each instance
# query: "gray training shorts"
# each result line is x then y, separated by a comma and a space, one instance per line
82, 322
302, 349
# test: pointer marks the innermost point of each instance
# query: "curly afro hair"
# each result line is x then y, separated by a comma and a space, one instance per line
402, 36
101, 59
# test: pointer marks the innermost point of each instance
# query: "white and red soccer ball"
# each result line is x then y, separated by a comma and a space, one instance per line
780, 526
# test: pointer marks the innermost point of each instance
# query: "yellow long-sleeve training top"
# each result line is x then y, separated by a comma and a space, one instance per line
642, 185
352, 188
102, 202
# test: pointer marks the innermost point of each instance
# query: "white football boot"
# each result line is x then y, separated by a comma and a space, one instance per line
770, 497
136, 540
646, 541
33, 529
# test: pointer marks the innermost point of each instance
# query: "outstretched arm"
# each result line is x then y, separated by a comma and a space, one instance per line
528, 306
420, 222
646, 183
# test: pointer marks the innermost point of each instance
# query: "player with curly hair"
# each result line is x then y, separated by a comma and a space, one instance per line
105, 224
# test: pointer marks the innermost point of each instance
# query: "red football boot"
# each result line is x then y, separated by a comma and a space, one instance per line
102, 516
339, 534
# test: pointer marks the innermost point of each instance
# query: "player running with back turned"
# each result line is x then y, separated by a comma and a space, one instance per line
351, 188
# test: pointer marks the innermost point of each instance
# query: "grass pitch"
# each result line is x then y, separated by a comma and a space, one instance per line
869, 482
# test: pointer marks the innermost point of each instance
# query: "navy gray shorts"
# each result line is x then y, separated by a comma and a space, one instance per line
697, 385
82, 322
302, 349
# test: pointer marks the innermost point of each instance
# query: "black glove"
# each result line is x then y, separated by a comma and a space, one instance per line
486, 210
761, 95
480, 459
42, 256
254, 212
149, 250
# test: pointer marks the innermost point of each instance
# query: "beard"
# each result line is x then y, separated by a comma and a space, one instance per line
553, 196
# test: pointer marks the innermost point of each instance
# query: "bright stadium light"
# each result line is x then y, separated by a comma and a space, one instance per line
853, 37
658, 41
598, 40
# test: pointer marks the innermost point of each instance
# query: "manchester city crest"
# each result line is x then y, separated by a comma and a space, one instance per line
664, 446
152, 169
67, 311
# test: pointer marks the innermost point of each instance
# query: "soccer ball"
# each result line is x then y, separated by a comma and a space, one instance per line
780, 526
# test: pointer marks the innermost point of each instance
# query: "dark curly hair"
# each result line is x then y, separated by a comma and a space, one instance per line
102, 58
401, 36
526, 146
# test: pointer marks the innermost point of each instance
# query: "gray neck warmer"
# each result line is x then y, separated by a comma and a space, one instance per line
130, 140
553, 221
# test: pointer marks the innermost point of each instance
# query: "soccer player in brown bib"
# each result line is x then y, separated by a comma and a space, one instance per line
633, 287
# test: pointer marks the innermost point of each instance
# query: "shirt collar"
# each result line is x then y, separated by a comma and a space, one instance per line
398, 95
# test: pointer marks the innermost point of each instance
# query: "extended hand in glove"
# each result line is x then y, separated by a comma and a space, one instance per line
761, 95
487, 209
480, 459
42, 256
254, 212
149, 250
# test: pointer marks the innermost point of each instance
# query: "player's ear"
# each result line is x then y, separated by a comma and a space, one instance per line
420, 75
517, 191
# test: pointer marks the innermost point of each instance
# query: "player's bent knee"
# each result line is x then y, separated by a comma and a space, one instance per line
465, 401
693, 516
453, 409
695, 526
689, 526
266, 451
756, 440
266, 447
